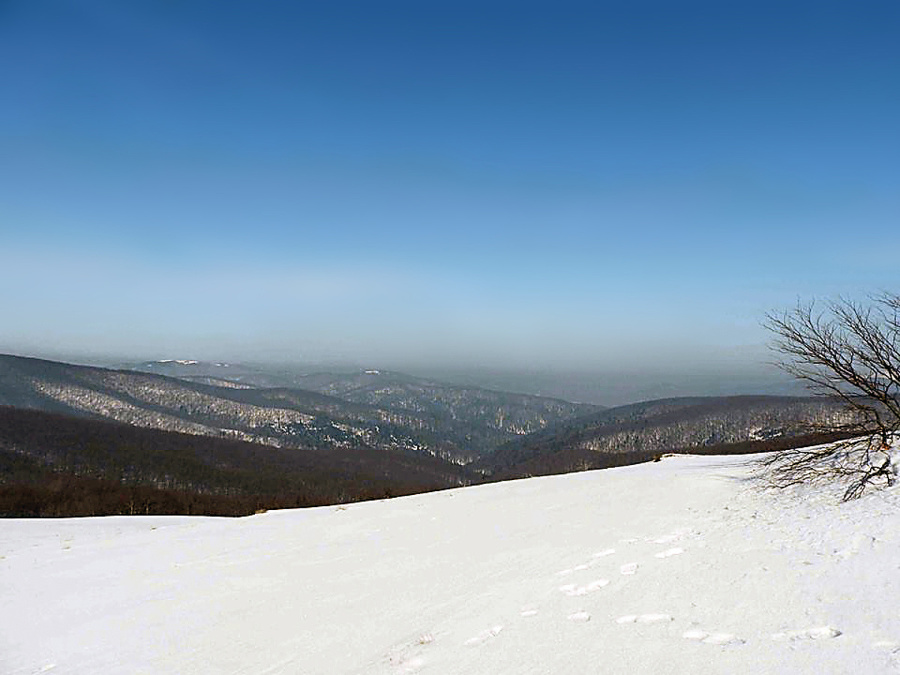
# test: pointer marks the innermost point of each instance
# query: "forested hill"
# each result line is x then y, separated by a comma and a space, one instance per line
338, 431
485, 417
52, 465
638, 432
392, 412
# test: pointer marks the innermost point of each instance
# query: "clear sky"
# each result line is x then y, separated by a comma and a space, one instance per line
556, 184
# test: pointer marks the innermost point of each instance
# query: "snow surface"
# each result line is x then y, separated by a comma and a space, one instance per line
679, 566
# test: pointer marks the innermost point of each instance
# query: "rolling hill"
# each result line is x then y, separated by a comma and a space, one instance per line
641, 431
670, 567
497, 435
59, 465
388, 412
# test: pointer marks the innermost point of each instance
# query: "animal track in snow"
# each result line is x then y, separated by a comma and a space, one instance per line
666, 539
484, 636
410, 665
644, 618
814, 633
573, 589
605, 552
895, 658
406, 658
860, 541
528, 612
629, 568
712, 638
668, 553
580, 617
886, 644
723, 639
577, 568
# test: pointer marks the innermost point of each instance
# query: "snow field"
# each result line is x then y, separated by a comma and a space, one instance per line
678, 567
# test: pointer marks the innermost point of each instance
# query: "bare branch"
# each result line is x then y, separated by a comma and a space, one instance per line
848, 351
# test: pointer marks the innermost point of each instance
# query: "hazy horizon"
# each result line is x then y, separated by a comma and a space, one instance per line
568, 190
601, 386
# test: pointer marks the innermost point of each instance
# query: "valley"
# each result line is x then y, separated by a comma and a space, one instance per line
245, 438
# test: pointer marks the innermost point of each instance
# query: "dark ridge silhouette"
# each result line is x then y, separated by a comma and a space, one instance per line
53, 465
571, 459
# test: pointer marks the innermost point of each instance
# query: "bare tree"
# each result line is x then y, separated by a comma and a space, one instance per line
851, 351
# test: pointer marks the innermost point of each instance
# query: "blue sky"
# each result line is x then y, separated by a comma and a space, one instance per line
599, 184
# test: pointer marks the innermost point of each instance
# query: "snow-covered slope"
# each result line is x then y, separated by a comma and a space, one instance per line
671, 567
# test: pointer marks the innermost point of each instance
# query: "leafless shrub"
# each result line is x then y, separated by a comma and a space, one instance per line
850, 351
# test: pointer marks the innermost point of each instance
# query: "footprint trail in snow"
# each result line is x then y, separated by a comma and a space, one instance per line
573, 589
670, 552
484, 636
644, 618
712, 638
814, 633
629, 568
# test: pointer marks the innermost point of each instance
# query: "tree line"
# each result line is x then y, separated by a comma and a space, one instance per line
54, 465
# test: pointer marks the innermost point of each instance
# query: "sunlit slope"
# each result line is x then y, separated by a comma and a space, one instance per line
679, 567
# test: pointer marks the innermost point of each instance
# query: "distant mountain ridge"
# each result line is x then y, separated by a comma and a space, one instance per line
393, 411
205, 433
498, 434
666, 425
502, 411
